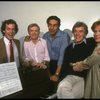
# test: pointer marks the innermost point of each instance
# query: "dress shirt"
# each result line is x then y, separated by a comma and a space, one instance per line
37, 52
76, 44
16, 58
57, 46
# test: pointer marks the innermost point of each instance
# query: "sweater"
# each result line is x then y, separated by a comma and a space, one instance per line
77, 53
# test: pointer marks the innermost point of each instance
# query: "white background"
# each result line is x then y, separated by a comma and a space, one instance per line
27, 12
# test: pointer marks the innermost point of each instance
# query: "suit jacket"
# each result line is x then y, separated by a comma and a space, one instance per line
3, 53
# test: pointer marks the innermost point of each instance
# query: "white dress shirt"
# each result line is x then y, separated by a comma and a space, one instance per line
16, 58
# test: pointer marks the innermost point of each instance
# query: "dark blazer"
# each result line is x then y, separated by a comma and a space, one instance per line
3, 53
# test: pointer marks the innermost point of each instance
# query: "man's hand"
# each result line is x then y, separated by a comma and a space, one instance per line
54, 78
79, 66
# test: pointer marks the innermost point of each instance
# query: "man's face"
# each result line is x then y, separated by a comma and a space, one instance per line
9, 31
97, 33
34, 32
53, 26
79, 34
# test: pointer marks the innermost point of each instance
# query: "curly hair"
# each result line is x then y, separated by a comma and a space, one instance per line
9, 21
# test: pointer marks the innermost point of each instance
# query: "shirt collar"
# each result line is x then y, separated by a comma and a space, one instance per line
57, 33
39, 39
6, 40
82, 42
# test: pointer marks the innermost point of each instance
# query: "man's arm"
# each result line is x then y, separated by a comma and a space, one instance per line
93, 59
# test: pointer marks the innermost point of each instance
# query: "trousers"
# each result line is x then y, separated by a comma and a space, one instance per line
71, 87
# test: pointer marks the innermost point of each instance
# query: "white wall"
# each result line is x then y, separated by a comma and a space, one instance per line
69, 12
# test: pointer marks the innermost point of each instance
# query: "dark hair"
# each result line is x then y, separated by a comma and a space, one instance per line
96, 23
80, 24
32, 25
9, 21
55, 18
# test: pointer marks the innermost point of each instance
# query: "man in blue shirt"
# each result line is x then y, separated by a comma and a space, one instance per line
57, 41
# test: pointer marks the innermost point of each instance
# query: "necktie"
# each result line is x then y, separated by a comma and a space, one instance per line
11, 52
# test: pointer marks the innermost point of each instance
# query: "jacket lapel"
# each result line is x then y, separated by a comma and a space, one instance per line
3, 53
